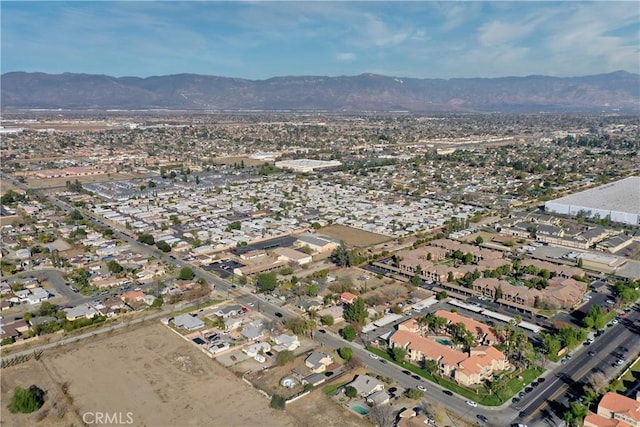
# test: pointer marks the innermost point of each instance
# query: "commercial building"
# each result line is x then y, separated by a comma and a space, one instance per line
307, 165
619, 200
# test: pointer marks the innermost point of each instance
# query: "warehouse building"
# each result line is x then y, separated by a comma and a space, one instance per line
618, 200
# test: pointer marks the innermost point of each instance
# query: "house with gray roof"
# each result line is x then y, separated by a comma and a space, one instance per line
189, 322
318, 362
366, 385
253, 330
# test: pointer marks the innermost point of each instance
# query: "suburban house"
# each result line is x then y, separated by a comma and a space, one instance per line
132, 296
378, 398
256, 348
37, 296
615, 410
285, 342
82, 311
366, 385
347, 298
14, 330
318, 362
254, 330
189, 322
228, 311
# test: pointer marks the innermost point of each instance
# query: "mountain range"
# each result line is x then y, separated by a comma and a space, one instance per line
619, 90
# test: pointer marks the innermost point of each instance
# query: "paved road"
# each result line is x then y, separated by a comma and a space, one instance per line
565, 382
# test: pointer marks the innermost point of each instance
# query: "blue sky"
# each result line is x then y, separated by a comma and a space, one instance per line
258, 40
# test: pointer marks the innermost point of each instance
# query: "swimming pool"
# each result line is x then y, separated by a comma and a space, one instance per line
359, 409
443, 341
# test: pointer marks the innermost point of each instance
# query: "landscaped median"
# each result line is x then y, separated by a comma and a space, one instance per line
514, 382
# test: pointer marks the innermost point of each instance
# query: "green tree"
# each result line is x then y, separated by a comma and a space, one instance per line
479, 240
348, 333
398, 353
163, 246
277, 402
351, 392
146, 239
346, 353
327, 320
441, 295
26, 401
157, 303
416, 280
356, 312
114, 266
284, 357
312, 290
266, 282
186, 274
342, 256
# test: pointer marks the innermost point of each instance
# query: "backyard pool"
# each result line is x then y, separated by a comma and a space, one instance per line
359, 409
443, 341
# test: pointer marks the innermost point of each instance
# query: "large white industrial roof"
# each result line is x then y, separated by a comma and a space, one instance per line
621, 196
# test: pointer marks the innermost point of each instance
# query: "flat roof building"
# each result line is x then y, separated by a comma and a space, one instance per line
619, 200
307, 165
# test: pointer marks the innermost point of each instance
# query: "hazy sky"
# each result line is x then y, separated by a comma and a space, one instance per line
258, 40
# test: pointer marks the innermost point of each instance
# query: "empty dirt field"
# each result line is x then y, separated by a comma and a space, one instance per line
149, 372
353, 236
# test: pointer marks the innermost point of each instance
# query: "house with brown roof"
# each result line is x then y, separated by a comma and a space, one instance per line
132, 296
481, 364
347, 298
615, 410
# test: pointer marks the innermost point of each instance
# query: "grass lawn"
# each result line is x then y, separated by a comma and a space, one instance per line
628, 380
331, 389
481, 394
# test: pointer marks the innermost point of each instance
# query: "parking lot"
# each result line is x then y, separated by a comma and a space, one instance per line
223, 267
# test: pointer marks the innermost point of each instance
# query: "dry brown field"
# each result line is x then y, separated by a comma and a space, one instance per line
150, 372
353, 236
5, 186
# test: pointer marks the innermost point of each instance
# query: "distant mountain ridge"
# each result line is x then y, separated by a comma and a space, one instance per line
365, 92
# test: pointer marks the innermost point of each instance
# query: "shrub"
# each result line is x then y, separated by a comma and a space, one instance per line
277, 402
351, 391
26, 401
348, 333
346, 353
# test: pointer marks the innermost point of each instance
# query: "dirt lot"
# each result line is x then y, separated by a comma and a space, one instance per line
152, 373
353, 236
237, 159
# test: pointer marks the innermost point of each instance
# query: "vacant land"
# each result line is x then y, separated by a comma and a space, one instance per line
318, 410
239, 160
158, 377
61, 182
353, 236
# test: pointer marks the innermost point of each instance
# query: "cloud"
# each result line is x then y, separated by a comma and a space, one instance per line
496, 33
346, 56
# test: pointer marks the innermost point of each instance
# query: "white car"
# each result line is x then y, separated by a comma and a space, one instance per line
422, 388
471, 403
373, 356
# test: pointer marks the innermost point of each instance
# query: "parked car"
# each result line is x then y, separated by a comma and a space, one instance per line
422, 388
